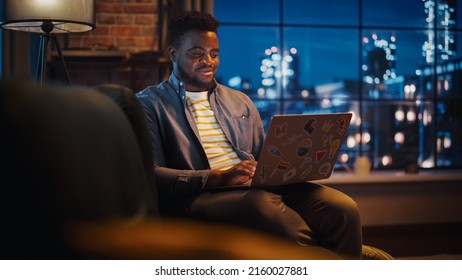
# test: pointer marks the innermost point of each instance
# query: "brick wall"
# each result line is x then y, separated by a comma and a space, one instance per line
126, 25
105, 54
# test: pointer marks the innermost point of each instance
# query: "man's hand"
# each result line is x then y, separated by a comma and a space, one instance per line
237, 175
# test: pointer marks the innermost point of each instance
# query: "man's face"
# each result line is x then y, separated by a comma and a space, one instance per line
196, 60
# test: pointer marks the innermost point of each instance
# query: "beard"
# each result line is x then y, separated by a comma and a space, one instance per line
190, 80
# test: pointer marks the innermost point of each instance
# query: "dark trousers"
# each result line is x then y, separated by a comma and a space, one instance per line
308, 213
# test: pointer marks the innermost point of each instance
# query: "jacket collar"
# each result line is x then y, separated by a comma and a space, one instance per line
178, 85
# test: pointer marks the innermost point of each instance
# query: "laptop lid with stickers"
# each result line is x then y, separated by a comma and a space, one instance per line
300, 148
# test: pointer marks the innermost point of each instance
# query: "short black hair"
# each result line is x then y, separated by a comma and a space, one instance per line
190, 20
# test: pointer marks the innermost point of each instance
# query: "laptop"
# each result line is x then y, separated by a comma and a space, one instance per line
300, 148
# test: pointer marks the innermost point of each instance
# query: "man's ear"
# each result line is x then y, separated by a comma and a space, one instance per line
172, 53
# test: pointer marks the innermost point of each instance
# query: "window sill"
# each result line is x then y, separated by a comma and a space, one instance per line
396, 198
346, 178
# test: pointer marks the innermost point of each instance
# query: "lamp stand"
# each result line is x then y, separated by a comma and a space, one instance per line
45, 38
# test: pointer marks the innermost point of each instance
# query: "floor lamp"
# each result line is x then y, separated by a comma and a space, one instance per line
49, 17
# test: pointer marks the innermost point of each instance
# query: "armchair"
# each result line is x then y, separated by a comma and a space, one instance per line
75, 185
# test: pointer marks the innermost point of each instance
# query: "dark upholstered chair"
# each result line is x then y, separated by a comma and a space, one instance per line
67, 156
75, 184
125, 98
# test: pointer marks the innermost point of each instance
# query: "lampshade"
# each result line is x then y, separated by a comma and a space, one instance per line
49, 16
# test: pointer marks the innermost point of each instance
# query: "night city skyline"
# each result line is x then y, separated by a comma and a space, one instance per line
338, 59
325, 54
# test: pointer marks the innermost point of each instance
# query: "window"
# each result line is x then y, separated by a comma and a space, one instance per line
397, 65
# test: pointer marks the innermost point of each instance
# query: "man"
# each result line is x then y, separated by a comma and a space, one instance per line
206, 135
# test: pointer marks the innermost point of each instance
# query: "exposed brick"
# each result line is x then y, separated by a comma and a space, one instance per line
100, 42
145, 19
140, 8
121, 18
148, 30
105, 18
124, 42
108, 8
125, 19
101, 29
147, 43
74, 42
120, 30
126, 25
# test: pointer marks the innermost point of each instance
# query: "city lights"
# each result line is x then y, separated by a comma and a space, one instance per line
399, 99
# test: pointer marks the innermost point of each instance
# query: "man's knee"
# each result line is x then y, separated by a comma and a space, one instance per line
346, 208
260, 202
